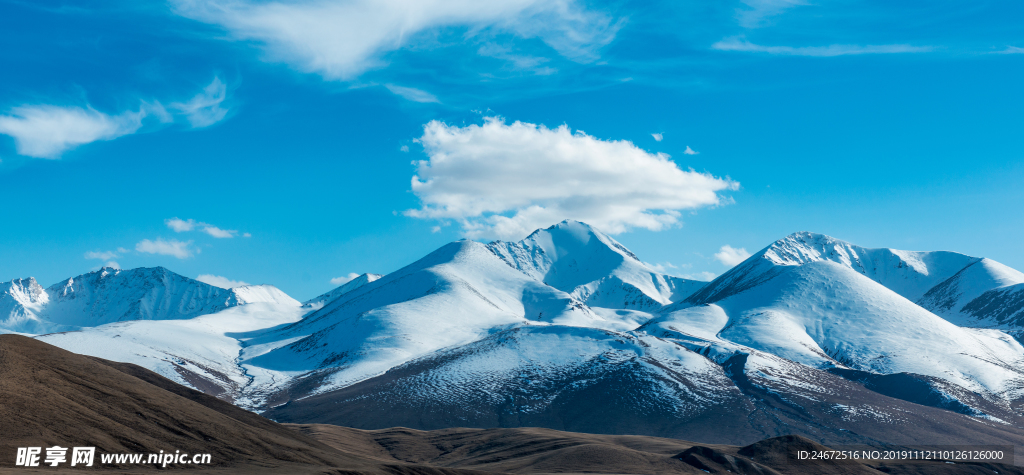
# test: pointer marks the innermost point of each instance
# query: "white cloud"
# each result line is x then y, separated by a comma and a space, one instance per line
173, 247
113, 264
668, 268
731, 256
47, 131
246, 235
219, 281
182, 225
662, 268
704, 276
342, 280
504, 181
218, 232
342, 39
521, 62
411, 94
1012, 50
101, 255
404, 148
690, 151
657, 137
205, 109
760, 11
740, 44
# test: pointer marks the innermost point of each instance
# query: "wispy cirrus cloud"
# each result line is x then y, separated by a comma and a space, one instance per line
412, 94
48, 130
179, 225
520, 62
170, 247
204, 109
340, 40
759, 13
108, 256
1011, 50
738, 43
505, 180
103, 255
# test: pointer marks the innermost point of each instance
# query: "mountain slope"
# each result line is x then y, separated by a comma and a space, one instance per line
455, 295
201, 353
825, 315
985, 293
596, 381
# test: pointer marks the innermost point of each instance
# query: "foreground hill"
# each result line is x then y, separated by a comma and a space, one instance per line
53, 397
545, 451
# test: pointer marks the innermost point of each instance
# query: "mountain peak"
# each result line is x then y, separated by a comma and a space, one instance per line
22, 292
579, 259
804, 246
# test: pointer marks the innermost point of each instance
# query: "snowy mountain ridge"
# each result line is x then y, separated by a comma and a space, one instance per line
21, 300
945, 283
113, 295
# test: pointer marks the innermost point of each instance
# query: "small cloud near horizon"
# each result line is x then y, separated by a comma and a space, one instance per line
182, 225
344, 279
172, 247
738, 43
220, 281
731, 256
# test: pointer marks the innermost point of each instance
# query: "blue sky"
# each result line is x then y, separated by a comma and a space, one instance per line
277, 142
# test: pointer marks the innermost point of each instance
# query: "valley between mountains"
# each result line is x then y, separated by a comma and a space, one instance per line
569, 330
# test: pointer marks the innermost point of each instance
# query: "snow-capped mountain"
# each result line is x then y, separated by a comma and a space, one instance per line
21, 300
569, 329
113, 295
948, 284
825, 315
822, 327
